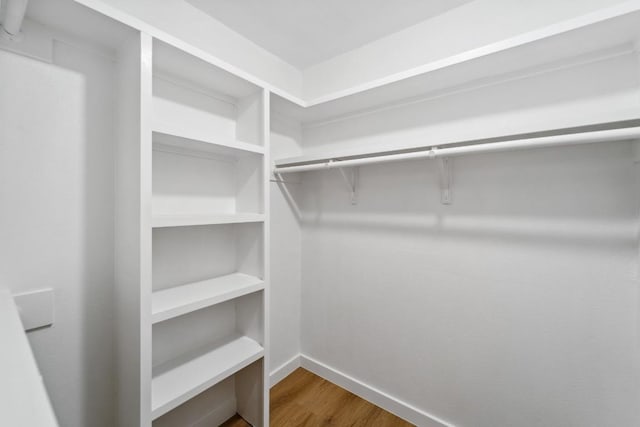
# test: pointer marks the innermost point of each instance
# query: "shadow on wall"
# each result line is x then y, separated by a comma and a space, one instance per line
97, 256
576, 196
57, 174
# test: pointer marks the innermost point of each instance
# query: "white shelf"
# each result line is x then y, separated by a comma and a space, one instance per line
173, 302
176, 141
184, 220
178, 381
580, 39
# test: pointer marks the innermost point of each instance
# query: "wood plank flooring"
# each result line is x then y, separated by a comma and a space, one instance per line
306, 400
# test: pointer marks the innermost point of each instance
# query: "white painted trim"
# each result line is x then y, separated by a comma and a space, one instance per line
373, 395
284, 370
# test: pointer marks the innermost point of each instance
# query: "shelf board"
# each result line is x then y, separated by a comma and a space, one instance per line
175, 141
180, 380
176, 301
184, 220
584, 38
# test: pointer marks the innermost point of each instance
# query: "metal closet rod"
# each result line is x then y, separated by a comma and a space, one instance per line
609, 135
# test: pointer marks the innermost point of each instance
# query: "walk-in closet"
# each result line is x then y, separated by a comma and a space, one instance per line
319, 213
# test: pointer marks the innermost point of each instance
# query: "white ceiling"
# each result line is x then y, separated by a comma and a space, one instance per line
306, 32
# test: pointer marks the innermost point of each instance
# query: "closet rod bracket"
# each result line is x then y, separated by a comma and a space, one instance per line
351, 183
279, 179
445, 170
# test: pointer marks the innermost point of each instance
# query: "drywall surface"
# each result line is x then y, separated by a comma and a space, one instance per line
56, 221
191, 25
470, 26
285, 251
517, 305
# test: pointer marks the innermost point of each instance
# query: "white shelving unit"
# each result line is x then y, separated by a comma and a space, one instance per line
192, 239
191, 221
209, 243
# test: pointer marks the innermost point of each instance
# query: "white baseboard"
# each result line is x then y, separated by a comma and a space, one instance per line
377, 397
284, 370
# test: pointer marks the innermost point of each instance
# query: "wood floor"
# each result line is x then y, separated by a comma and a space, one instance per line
305, 399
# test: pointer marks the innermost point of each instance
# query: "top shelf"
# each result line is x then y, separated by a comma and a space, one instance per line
581, 39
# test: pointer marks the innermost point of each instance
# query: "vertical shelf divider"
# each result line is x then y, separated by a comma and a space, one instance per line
266, 177
133, 231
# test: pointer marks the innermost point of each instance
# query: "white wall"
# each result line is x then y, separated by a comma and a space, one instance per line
515, 306
56, 221
470, 26
285, 253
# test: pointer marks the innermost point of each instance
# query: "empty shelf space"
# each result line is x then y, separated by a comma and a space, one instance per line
178, 381
184, 220
179, 300
183, 142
